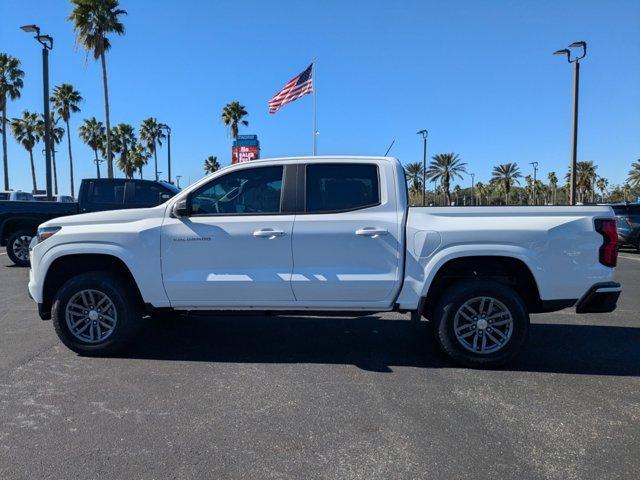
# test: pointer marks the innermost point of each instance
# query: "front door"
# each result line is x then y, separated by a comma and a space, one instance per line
234, 248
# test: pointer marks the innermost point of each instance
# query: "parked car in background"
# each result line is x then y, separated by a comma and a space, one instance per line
628, 221
317, 236
18, 196
56, 198
19, 220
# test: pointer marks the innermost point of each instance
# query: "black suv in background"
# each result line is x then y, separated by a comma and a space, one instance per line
19, 220
628, 220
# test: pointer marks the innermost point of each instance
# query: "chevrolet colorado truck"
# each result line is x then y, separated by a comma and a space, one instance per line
320, 236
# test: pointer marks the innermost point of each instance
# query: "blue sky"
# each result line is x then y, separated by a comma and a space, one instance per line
479, 75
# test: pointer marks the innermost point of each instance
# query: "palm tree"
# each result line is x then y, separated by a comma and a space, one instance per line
413, 174
92, 21
139, 156
456, 191
151, 134
124, 138
27, 133
481, 190
65, 101
553, 184
585, 178
10, 86
446, 167
634, 174
57, 133
506, 175
602, 184
232, 116
92, 133
211, 164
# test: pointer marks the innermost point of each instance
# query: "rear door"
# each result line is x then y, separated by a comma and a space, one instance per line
347, 241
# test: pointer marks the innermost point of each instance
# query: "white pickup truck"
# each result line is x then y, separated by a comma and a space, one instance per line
317, 236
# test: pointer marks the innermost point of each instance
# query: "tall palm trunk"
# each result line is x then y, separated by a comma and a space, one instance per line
95, 151
141, 173
33, 172
5, 159
155, 158
106, 114
55, 169
70, 159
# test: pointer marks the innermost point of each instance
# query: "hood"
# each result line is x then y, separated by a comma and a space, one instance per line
110, 216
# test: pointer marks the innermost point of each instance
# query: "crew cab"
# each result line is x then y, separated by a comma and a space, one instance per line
323, 235
19, 219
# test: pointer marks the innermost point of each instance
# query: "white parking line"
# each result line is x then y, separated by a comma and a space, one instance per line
3, 253
637, 259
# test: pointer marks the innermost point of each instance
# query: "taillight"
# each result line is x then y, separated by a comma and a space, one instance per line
609, 249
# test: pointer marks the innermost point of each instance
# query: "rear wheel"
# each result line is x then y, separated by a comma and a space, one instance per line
481, 323
95, 314
18, 247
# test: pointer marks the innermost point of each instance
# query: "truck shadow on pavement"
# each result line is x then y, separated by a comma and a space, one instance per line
375, 344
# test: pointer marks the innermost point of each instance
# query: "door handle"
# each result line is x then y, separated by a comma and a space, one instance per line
268, 233
371, 232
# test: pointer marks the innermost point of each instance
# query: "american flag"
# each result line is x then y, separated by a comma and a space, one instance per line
295, 88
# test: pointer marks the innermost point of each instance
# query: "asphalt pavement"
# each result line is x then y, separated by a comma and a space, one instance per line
331, 398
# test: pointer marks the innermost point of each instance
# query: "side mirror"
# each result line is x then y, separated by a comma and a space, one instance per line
180, 208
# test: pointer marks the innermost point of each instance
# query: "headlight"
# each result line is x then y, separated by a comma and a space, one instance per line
46, 232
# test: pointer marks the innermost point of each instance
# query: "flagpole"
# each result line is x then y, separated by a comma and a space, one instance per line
315, 127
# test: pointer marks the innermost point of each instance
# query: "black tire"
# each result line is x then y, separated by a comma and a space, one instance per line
455, 297
123, 300
14, 244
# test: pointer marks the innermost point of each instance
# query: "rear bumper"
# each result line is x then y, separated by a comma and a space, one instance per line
600, 298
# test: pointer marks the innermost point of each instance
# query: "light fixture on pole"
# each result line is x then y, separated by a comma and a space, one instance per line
576, 86
535, 171
47, 44
424, 134
166, 127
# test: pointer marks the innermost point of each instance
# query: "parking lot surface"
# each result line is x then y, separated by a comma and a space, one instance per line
302, 398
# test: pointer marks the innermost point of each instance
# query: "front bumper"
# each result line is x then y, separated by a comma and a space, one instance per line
600, 298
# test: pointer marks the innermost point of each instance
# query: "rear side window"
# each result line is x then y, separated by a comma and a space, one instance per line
634, 210
147, 194
619, 209
339, 187
4, 196
108, 192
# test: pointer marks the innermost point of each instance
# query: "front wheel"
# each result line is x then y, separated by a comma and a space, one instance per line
481, 323
18, 247
94, 314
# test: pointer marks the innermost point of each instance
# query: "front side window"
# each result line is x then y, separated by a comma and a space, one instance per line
341, 187
249, 191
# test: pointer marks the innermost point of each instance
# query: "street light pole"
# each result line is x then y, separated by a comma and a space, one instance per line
424, 134
535, 171
47, 44
168, 129
473, 177
576, 88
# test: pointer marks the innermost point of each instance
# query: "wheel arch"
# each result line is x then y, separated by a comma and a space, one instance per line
505, 269
66, 267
